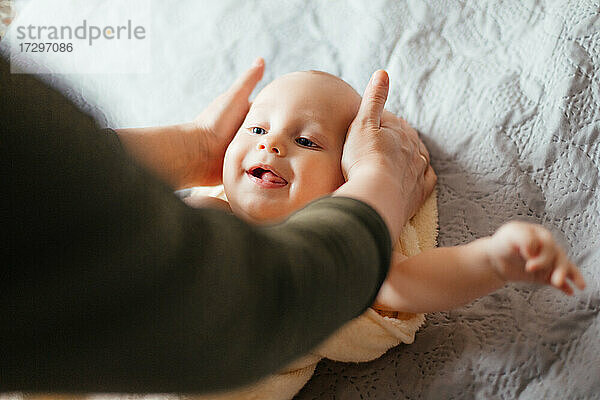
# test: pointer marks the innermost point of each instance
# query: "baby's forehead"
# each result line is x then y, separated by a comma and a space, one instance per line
330, 81
312, 83
314, 94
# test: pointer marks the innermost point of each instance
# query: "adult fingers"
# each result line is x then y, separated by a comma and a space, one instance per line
417, 138
430, 181
410, 131
374, 98
423, 150
390, 119
246, 82
228, 110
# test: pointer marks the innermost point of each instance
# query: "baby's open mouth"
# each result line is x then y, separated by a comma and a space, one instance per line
265, 177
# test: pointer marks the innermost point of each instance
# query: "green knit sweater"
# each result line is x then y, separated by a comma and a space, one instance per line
110, 283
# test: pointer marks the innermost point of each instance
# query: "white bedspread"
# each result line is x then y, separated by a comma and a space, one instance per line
507, 98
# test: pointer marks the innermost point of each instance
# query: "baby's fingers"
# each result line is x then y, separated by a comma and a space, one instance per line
547, 252
566, 289
543, 261
575, 275
559, 275
566, 269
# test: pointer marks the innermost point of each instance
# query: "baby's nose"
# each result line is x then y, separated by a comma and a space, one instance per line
274, 148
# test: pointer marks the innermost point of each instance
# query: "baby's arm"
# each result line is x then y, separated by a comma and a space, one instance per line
448, 277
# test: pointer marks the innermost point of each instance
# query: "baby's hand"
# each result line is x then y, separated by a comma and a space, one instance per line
521, 251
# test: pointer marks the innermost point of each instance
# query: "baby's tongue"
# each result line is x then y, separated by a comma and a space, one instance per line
271, 177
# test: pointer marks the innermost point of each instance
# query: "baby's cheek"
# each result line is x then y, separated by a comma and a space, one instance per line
233, 161
319, 185
230, 179
335, 178
339, 180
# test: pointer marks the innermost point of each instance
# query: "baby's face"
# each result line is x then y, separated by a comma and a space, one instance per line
288, 150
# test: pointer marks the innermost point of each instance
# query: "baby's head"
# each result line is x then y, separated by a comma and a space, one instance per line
288, 150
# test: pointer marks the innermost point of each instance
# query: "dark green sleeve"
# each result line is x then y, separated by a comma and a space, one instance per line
109, 283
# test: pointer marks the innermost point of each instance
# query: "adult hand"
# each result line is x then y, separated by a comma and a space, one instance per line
191, 154
220, 121
387, 149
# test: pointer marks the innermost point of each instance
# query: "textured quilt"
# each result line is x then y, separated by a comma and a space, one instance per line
506, 96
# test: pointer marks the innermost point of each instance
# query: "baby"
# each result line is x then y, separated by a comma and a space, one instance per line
287, 153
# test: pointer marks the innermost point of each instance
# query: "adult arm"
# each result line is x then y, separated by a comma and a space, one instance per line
111, 283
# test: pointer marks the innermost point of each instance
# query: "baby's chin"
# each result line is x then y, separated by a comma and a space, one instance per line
260, 215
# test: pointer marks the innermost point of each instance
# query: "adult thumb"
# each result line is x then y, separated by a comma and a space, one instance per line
230, 108
245, 84
374, 98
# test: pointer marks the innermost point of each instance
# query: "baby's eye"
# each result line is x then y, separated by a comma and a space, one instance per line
302, 141
258, 131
